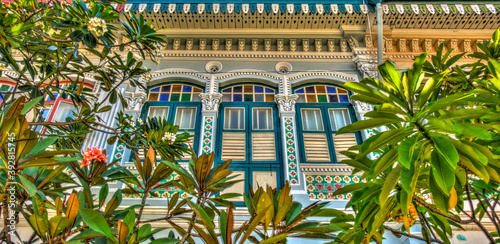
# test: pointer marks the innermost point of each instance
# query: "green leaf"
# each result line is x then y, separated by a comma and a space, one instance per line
165, 240
442, 174
41, 146
28, 185
38, 224
446, 150
57, 224
430, 87
386, 160
405, 151
368, 124
350, 188
387, 137
202, 214
30, 104
96, 221
130, 220
390, 183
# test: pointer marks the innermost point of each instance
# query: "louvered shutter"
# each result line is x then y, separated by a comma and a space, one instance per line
316, 147
263, 147
233, 146
343, 142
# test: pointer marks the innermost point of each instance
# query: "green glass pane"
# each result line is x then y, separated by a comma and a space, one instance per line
175, 97
248, 97
4, 88
322, 99
186, 97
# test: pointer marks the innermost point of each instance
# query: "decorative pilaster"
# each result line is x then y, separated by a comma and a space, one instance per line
286, 104
210, 101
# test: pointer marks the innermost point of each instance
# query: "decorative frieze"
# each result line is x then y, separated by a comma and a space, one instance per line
255, 44
293, 45
267, 44
280, 43
353, 43
321, 187
415, 45
177, 43
467, 45
229, 44
241, 44
189, 44
343, 45
305, 45
454, 45
331, 45
215, 44
428, 45
368, 42
388, 45
318, 43
402, 45
203, 44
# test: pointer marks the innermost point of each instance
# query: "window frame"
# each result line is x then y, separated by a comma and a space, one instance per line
248, 165
327, 126
172, 110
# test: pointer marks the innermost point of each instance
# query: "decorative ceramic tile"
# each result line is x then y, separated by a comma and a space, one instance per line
291, 155
321, 187
207, 134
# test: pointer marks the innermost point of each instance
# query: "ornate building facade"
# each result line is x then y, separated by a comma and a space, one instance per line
260, 83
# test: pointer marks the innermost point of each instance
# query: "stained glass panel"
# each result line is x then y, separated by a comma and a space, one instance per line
248, 93
322, 94
175, 93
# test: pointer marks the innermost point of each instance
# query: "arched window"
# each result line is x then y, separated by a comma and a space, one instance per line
179, 103
248, 135
322, 110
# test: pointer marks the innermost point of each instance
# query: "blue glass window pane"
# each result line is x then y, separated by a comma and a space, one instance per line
155, 89
45, 113
237, 97
227, 90
344, 98
186, 89
330, 89
310, 89
333, 98
259, 89
165, 88
164, 97
269, 90
301, 91
237, 89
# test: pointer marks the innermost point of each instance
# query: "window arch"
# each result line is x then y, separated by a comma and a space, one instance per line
248, 93
248, 135
178, 103
322, 93
322, 110
175, 93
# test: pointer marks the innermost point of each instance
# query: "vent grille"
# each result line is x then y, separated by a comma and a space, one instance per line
343, 142
263, 147
233, 146
316, 147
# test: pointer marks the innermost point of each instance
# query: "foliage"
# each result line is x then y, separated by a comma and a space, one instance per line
439, 151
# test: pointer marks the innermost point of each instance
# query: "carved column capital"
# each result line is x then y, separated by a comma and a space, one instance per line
367, 66
210, 101
135, 100
286, 103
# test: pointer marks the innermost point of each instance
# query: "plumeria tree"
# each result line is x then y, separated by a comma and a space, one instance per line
438, 136
43, 44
